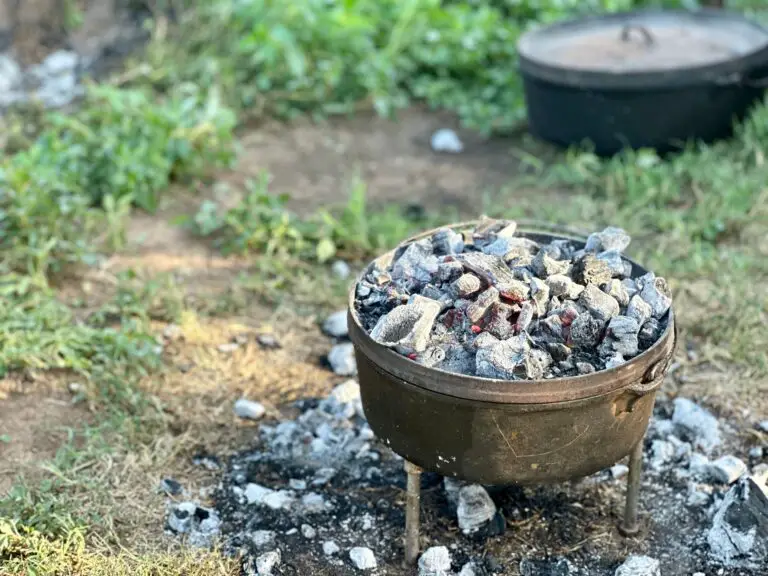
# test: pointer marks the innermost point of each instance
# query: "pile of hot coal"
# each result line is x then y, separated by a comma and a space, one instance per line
495, 304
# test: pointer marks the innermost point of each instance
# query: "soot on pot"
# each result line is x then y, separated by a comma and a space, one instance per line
495, 304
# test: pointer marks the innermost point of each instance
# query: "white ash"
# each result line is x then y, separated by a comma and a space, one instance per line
336, 325
475, 508
267, 562
552, 310
362, 558
696, 424
249, 409
435, 561
342, 359
201, 525
639, 566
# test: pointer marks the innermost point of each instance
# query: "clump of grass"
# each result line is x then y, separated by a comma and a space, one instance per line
26, 551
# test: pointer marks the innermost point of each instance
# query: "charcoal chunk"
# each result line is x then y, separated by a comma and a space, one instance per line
498, 322
466, 285
514, 290
611, 238
618, 291
649, 333
416, 265
407, 327
501, 359
656, 293
562, 285
446, 241
477, 309
492, 269
639, 309
540, 295
590, 270
620, 338
614, 261
598, 303
544, 265
586, 331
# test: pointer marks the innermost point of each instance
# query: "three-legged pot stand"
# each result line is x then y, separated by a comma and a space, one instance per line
627, 527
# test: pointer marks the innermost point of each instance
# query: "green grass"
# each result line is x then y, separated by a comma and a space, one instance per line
68, 185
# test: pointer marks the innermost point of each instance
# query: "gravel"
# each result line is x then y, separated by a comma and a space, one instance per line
550, 310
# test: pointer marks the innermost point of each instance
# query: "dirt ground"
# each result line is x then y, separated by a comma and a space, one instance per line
316, 164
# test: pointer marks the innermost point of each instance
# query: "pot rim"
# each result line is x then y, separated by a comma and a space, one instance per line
642, 368
739, 70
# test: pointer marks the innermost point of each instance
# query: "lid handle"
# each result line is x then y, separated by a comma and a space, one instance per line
626, 33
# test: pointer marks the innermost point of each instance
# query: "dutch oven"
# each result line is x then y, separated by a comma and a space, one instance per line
650, 79
507, 432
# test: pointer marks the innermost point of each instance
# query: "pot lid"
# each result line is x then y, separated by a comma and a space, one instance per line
638, 42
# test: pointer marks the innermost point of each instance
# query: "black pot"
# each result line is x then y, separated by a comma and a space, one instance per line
650, 79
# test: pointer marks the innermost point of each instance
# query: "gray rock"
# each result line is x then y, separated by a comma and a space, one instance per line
362, 558
739, 532
469, 569
502, 359
446, 140
342, 359
598, 303
249, 409
341, 269
407, 327
263, 538
636, 565
330, 548
696, 424
475, 508
726, 469
611, 238
308, 531
435, 561
336, 324
267, 562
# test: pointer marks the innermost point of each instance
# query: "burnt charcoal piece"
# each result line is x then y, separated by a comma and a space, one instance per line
562, 285
656, 293
618, 291
544, 265
649, 333
586, 332
514, 291
492, 269
447, 241
598, 303
501, 359
611, 238
590, 270
498, 322
407, 327
620, 338
466, 285
477, 309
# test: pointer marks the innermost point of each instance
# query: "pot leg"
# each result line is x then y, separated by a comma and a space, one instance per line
629, 526
412, 508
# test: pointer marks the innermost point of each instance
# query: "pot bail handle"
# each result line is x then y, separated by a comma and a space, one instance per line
626, 34
654, 376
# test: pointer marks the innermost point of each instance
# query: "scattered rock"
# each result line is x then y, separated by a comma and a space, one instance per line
696, 424
435, 561
330, 548
249, 409
726, 470
763, 426
308, 532
469, 569
362, 558
475, 508
342, 359
446, 140
336, 325
228, 348
200, 524
739, 533
619, 471
268, 562
170, 486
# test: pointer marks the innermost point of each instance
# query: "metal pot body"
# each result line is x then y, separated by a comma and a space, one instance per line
500, 444
503, 432
656, 108
611, 120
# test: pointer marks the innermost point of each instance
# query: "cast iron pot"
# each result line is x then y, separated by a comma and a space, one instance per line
501, 432
635, 80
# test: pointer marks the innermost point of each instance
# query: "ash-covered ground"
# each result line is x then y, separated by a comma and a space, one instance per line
317, 494
492, 303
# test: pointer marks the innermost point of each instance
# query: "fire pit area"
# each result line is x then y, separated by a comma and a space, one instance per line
508, 372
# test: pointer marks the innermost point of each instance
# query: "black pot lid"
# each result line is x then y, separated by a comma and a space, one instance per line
643, 42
